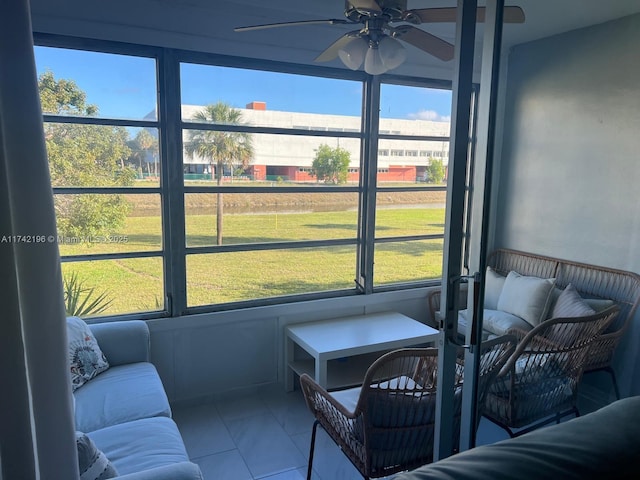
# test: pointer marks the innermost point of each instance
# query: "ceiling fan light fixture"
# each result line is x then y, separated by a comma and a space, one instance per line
373, 63
392, 52
353, 53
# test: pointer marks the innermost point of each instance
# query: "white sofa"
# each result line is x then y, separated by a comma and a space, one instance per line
125, 410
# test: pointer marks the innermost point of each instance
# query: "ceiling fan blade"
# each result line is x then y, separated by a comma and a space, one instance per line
332, 52
332, 21
442, 15
367, 5
424, 41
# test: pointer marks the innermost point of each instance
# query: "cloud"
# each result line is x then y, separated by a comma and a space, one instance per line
429, 115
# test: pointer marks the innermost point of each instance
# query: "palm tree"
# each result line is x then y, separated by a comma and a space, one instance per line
220, 148
144, 143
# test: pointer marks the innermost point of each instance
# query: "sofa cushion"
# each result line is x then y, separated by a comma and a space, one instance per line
464, 321
499, 322
599, 304
495, 322
141, 444
603, 444
526, 297
122, 393
494, 282
570, 304
93, 464
86, 360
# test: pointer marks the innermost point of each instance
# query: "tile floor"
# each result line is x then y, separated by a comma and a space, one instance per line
267, 436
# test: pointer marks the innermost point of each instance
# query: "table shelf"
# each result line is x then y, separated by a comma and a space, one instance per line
341, 372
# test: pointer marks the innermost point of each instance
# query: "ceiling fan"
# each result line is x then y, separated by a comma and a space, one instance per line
375, 42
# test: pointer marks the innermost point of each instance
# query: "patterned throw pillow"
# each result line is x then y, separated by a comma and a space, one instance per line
85, 357
92, 463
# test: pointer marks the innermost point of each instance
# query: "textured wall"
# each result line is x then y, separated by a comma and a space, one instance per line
570, 163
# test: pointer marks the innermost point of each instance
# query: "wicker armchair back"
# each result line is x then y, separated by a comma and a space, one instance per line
391, 427
539, 382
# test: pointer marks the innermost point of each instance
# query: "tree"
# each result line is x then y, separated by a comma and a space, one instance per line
84, 156
221, 149
143, 147
63, 97
331, 164
435, 171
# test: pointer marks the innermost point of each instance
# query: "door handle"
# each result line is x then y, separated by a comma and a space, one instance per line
475, 279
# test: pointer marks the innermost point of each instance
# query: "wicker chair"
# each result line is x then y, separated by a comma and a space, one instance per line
387, 425
539, 383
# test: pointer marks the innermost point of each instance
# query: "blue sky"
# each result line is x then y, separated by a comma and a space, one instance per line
125, 87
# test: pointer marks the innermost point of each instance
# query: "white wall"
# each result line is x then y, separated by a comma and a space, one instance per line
205, 356
568, 181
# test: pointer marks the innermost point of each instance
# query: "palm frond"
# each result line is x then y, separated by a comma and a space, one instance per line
80, 300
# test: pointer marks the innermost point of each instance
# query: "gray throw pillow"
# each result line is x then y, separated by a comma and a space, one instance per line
92, 463
570, 304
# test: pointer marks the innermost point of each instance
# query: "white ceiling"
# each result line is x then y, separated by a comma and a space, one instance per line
207, 25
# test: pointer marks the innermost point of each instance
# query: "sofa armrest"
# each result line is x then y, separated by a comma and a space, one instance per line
175, 471
123, 342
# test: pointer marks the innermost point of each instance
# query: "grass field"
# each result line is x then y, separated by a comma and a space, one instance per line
137, 284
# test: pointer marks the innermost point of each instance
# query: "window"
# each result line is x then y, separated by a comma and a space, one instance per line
249, 194
101, 133
410, 214
275, 234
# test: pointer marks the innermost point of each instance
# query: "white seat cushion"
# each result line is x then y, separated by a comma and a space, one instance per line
495, 322
122, 393
141, 445
348, 398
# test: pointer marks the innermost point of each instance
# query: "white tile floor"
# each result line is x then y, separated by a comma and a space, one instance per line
267, 436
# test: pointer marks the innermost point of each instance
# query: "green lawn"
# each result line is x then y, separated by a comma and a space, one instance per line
136, 284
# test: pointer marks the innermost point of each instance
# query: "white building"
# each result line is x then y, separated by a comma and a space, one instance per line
291, 156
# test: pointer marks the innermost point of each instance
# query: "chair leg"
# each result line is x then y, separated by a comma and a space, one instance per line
614, 381
312, 448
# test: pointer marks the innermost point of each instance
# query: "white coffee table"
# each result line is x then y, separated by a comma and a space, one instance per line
347, 340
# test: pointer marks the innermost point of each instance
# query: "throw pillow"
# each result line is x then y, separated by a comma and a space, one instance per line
526, 297
570, 304
92, 463
85, 357
599, 304
494, 282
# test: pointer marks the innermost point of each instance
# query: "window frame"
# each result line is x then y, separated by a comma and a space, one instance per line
172, 190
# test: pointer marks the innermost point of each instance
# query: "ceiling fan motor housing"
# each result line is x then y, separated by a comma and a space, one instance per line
391, 9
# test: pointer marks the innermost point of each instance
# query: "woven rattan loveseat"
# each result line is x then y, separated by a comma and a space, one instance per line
591, 282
